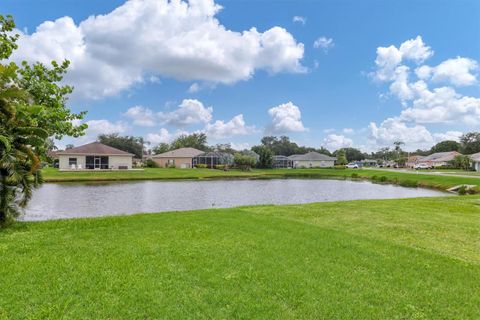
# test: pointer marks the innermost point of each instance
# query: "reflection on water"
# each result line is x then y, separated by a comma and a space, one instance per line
68, 200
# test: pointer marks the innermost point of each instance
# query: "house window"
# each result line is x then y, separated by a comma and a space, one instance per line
72, 161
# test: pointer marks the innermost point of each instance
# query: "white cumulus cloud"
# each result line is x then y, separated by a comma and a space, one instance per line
189, 112
324, 43
235, 127
143, 38
337, 141
141, 116
299, 19
285, 118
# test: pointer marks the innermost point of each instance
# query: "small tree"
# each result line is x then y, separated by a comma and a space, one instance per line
244, 162
461, 162
341, 157
161, 148
265, 160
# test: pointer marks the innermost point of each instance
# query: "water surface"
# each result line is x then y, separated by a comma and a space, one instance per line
70, 200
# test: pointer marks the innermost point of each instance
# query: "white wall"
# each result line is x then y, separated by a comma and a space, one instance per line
314, 163
116, 161
113, 161
63, 161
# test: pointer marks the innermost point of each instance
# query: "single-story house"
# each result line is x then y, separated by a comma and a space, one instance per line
439, 159
212, 159
368, 163
94, 155
475, 161
179, 158
282, 162
412, 161
311, 160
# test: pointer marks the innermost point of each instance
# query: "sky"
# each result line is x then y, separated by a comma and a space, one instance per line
328, 73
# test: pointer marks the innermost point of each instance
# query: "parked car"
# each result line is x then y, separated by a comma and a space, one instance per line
352, 166
422, 166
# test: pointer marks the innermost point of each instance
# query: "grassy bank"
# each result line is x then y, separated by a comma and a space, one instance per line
407, 179
401, 259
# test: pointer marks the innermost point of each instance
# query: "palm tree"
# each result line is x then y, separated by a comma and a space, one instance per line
21, 143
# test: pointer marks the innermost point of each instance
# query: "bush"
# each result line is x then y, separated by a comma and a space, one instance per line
355, 176
220, 167
201, 166
244, 162
149, 163
383, 179
462, 190
409, 183
339, 167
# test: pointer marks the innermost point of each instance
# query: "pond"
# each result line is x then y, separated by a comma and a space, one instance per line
71, 200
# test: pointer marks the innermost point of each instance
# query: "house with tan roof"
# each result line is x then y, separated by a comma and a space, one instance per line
312, 160
94, 156
439, 159
475, 161
178, 158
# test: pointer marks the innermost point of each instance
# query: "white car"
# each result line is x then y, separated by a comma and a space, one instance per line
421, 166
352, 166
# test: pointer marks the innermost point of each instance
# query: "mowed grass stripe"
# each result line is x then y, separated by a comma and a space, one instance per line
253, 262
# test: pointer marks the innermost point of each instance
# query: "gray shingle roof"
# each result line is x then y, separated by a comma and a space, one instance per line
95, 148
440, 156
311, 156
179, 153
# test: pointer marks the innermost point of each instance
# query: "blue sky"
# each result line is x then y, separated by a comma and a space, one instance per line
177, 68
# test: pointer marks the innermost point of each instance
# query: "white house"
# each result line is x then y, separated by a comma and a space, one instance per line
439, 159
312, 160
476, 161
93, 156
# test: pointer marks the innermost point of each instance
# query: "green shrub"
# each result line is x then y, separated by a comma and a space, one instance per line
339, 167
355, 176
201, 166
409, 183
220, 166
149, 163
374, 178
462, 190
383, 179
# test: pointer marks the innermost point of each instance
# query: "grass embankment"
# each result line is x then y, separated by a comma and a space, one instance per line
402, 178
391, 259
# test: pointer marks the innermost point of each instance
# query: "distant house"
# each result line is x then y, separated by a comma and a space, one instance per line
412, 161
476, 161
92, 156
439, 159
368, 163
179, 158
280, 162
212, 159
312, 160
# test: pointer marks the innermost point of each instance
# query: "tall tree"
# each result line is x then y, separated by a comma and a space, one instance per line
265, 160
161, 148
194, 140
341, 157
32, 109
130, 144
470, 142
446, 146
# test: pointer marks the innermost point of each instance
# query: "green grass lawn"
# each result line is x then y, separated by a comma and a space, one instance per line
390, 259
439, 182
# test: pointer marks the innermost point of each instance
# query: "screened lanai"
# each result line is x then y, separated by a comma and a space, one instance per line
282, 162
211, 159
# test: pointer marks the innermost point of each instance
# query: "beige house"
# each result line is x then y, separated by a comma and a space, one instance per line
94, 156
476, 161
179, 158
439, 159
312, 160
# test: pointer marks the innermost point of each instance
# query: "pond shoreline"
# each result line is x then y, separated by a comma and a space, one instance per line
353, 175
97, 198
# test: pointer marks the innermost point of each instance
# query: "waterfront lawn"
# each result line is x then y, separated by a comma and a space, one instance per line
388, 259
414, 178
